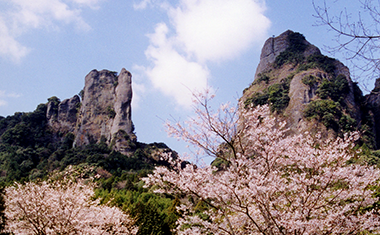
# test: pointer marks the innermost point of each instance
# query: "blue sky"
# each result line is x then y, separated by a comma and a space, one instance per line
171, 47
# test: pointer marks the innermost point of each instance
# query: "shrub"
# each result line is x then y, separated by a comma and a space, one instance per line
330, 114
278, 97
310, 80
275, 95
262, 77
111, 112
318, 108
55, 100
336, 89
322, 62
257, 98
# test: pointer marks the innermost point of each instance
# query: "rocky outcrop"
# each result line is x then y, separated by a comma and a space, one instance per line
274, 46
106, 108
103, 115
62, 116
294, 77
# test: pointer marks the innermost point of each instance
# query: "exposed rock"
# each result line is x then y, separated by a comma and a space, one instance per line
67, 112
52, 112
103, 115
105, 109
122, 104
62, 116
274, 46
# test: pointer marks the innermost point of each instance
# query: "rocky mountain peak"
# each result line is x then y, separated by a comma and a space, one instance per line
106, 108
312, 92
274, 46
103, 115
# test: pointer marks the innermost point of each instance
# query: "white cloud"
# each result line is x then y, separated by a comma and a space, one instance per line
94, 4
24, 15
171, 72
9, 47
219, 29
39, 13
141, 5
200, 31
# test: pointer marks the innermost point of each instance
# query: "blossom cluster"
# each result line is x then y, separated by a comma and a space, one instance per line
61, 207
274, 183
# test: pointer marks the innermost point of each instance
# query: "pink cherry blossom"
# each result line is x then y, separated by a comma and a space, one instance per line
275, 183
61, 208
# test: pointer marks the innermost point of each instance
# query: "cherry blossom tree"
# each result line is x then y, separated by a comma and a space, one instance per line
61, 207
273, 183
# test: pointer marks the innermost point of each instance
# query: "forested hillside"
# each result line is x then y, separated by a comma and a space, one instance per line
29, 152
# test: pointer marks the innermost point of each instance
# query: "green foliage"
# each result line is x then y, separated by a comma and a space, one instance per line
336, 89
220, 163
330, 114
278, 97
310, 80
9, 122
55, 100
324, 111
111, 112
347, 123
18, 135
262, 77
322, 62
154, 214
28, 150
373, 157
257, 98
294, 52
366, 128
68, 141
26, 129
275, 95
329, 109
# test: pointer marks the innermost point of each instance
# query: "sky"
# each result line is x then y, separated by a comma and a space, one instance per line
171, 47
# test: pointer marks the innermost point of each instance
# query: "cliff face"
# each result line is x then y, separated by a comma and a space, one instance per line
62, 116
275, 45
312, 92
103, 115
